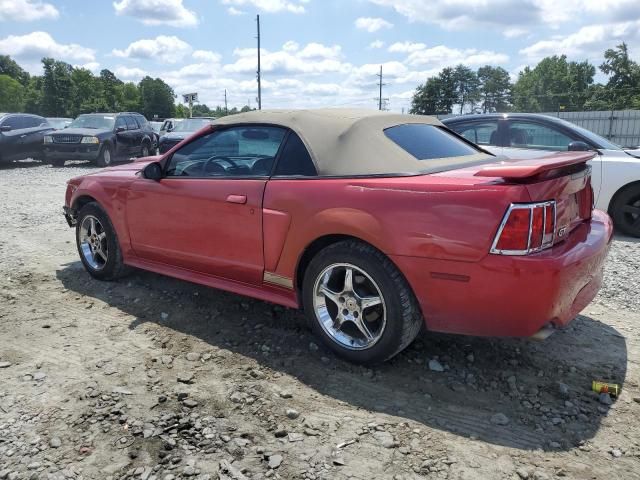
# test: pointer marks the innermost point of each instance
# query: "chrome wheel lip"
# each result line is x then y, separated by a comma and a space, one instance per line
328, 323
92, 242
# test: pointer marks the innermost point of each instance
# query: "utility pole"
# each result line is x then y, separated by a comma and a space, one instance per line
380, 85
226, 110
258, 72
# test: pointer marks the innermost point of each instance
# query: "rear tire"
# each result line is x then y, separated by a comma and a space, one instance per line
340, 316
625, 211
98, 244
105, 157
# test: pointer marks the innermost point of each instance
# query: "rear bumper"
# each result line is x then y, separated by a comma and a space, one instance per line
512, 296
76, 151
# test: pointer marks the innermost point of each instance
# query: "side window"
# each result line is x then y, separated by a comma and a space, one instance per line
142, 122
295, 159
30, 122
16, 122
535, 135
233, 152
480, 133
120, 122
131, 123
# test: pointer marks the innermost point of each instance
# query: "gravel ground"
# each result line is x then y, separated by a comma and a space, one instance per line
156, 378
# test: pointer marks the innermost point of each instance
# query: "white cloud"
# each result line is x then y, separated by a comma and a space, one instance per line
313, 58
207, 55
406, 47
235, 11
376, 44
462, 14
33, 46
269, 6
165, 48
27, 11
371, 24
514, 32
157, 12
127, 73
588, 39
443, 56
94, 67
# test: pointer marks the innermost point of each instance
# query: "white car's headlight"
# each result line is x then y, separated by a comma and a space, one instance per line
90, 140
48, 139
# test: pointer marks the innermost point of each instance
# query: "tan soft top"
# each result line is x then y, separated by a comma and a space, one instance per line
346, 142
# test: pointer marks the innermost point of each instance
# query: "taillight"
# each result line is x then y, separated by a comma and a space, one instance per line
526, 228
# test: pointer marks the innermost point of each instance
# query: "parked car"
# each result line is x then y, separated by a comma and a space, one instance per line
101, 138
156, 126
615, 173
21, 136
181, 131
59, 123
375, 223
169, 124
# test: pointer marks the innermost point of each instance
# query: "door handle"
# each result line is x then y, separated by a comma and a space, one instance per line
242, 199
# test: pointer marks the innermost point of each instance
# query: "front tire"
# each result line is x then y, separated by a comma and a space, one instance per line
359, 303
625, 211
105, 157
98, 244
56, 162
145, 152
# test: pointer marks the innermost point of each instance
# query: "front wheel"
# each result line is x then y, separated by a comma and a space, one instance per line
105, 157
626, 211
97, 244
145, 150
56, 162
359, 303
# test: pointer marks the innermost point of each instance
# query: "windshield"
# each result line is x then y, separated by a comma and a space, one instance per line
191, 124
594, 138
102, 122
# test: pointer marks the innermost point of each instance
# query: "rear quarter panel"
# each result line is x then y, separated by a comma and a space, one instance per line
424, 216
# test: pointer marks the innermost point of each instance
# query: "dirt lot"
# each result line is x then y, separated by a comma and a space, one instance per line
156, 378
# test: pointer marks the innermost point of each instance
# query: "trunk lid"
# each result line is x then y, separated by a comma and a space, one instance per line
564, 178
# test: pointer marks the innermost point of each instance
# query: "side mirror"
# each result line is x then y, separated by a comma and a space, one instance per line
120, 129
153, 171
578, 146
5, 128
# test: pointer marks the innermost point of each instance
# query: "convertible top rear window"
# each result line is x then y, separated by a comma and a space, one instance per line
426, 142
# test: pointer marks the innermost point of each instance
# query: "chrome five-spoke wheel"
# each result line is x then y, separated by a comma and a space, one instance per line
92, 239
349, 306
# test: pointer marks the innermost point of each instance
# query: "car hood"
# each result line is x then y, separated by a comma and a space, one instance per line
634, 152
80, 131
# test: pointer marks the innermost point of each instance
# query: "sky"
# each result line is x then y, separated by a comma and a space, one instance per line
315, 53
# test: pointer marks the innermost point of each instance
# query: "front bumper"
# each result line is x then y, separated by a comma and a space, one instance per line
512, 296
74, 151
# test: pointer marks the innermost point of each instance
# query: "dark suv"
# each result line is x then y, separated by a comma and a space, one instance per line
21, 136
101, 138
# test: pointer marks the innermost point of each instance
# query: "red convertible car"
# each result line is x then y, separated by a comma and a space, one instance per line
375, 223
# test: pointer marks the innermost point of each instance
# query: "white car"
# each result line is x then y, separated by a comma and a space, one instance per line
615, 174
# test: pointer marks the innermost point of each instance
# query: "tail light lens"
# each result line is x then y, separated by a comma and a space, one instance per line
526, 228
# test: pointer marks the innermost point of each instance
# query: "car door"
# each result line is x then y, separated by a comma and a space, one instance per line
122, 147
32, 136
483, 132
205, 214
12, 146
134, 134
533, 139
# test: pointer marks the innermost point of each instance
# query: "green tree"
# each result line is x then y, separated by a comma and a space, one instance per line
9, 67
467, 87
181, 111
129, 97
495, 89
157, 98
110, 87
33, 96
85, 92
436, 96
552, 84
11, 94
56, 88
623, 87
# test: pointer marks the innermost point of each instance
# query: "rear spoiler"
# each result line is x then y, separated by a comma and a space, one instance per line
525, 169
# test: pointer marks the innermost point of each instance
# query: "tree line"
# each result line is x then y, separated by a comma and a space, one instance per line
67, 91
554, 84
